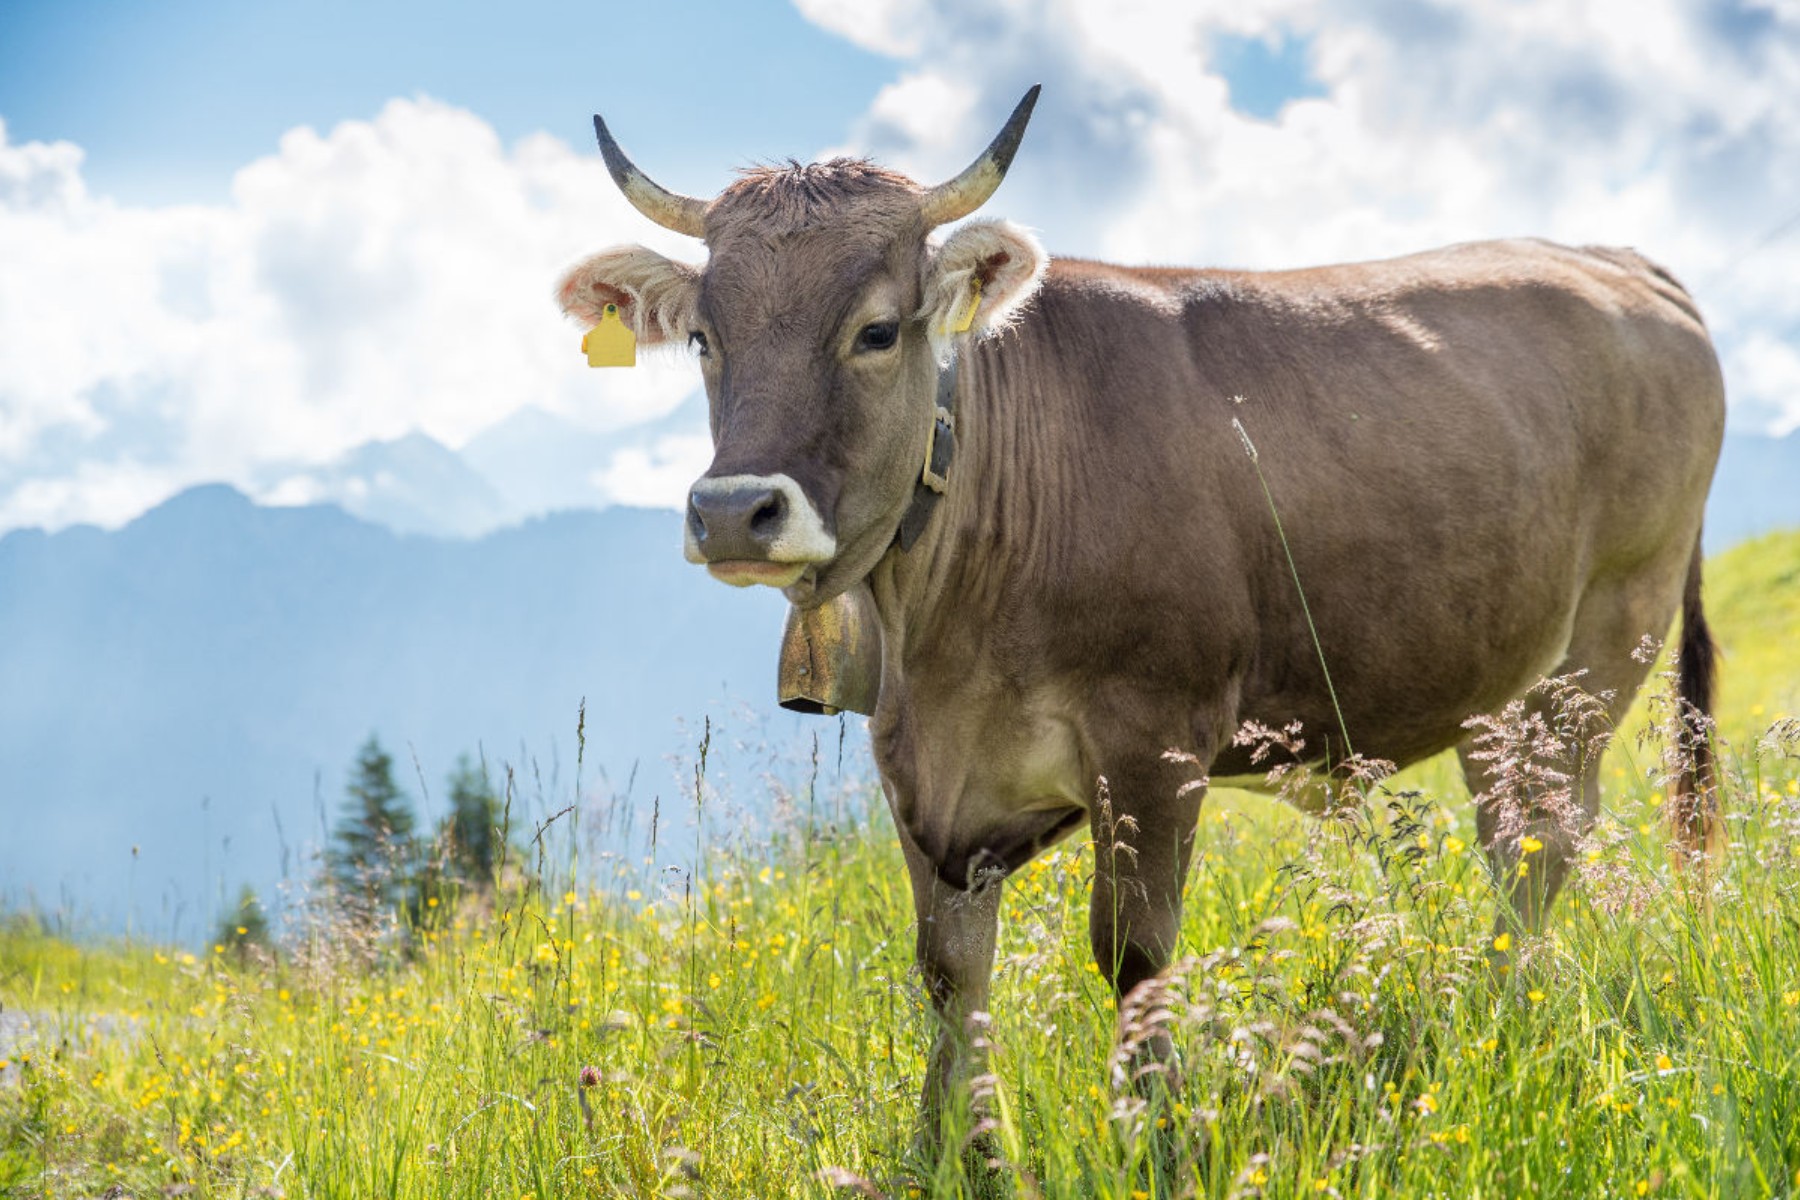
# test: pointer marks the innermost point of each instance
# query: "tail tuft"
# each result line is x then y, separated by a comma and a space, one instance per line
1694, 808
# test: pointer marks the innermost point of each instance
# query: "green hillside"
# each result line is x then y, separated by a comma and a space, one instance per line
755, 1031
1753, 604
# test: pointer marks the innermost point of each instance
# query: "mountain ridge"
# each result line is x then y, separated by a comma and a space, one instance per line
215, 648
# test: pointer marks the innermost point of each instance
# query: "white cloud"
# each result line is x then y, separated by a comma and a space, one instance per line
1766, 366
392, 275
110, 493
389, 276
885, 28
658, 475
1671, 125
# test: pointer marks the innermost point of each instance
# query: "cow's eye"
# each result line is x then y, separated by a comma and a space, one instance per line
697, 343
880, 336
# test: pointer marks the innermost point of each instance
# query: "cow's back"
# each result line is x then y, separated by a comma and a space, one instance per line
1458, 445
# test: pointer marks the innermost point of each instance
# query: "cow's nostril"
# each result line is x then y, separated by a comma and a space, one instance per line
745, 518
766, 520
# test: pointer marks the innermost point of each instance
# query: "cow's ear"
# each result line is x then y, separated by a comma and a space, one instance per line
656, 295
1004, 259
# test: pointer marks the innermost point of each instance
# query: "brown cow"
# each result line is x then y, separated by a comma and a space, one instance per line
1490, 462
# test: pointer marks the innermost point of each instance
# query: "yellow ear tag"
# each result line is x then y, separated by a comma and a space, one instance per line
963, 323
610, 343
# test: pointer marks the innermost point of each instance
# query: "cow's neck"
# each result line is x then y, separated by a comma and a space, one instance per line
981, 532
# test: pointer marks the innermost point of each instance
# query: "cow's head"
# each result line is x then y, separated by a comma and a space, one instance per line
821, 319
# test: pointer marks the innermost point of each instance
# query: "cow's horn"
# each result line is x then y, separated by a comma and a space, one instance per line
671, 210
970, 190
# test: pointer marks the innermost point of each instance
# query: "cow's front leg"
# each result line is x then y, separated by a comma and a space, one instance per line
1144, 819
955, 949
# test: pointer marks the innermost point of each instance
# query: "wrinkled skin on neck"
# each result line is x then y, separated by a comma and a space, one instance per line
795, 385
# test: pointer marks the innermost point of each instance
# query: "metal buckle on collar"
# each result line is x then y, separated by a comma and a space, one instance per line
943, 435
940, 451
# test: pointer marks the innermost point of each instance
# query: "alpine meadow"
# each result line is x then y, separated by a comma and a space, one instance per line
900, 599
751, 1027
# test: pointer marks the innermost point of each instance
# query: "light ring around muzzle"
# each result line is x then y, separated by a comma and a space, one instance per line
754, 518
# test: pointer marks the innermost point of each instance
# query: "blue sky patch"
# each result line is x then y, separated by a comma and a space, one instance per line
170, 99
1264, 75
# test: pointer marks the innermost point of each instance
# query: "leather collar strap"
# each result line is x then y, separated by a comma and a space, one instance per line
940, 448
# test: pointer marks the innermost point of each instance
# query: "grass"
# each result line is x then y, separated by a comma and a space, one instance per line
754, 1030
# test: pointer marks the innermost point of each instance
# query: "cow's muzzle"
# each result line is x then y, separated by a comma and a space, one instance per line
750, 529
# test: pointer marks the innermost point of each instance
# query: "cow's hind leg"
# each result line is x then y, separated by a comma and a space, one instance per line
1530, 846
1529, 823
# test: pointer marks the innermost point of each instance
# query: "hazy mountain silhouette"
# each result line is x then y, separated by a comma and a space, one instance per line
412, 484
222, 652
542, 462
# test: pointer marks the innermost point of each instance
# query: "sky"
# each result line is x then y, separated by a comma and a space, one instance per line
238, 241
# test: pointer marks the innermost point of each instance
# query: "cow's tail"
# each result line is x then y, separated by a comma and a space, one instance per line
1694, 808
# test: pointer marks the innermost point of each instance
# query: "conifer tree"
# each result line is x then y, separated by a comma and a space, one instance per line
472, 831
245, 926
373, 848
